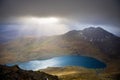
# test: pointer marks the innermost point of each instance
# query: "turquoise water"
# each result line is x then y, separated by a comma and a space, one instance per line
69, 60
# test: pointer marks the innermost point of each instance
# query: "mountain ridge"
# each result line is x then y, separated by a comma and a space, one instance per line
71, 43
92, 32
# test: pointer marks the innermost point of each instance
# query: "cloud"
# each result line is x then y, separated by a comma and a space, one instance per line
36, 26
96, 12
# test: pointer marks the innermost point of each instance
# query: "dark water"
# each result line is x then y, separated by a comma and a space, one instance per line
70, 60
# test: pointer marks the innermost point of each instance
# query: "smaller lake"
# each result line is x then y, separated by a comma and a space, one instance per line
69, 60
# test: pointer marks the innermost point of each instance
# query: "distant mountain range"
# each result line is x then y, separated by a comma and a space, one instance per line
93, 42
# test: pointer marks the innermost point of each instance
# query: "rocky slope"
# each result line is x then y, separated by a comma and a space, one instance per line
105, 41
15, 73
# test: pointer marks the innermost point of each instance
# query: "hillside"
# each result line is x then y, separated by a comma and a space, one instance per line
15, 73
80, 73
93, 42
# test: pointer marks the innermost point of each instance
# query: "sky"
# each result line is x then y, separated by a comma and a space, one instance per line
25, 16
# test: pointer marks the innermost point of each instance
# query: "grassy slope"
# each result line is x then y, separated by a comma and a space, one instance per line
32, 48
80, 73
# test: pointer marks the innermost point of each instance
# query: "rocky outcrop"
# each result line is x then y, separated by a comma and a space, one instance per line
15, 73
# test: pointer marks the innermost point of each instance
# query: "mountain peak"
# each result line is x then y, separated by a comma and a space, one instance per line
92, 34
93, 29
97, 33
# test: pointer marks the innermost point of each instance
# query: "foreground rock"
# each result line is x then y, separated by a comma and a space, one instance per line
15, 73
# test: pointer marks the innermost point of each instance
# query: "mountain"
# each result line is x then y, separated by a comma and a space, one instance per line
93, 42
90, 41
15, 73
100, 38
92, 34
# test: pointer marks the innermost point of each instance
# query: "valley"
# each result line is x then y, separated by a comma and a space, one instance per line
92, 42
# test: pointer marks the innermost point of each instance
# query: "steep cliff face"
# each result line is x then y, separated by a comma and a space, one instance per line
15, 73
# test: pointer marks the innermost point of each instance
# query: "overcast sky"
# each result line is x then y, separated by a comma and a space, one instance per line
78, 12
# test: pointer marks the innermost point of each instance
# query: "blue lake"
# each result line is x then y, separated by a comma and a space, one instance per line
69, 60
